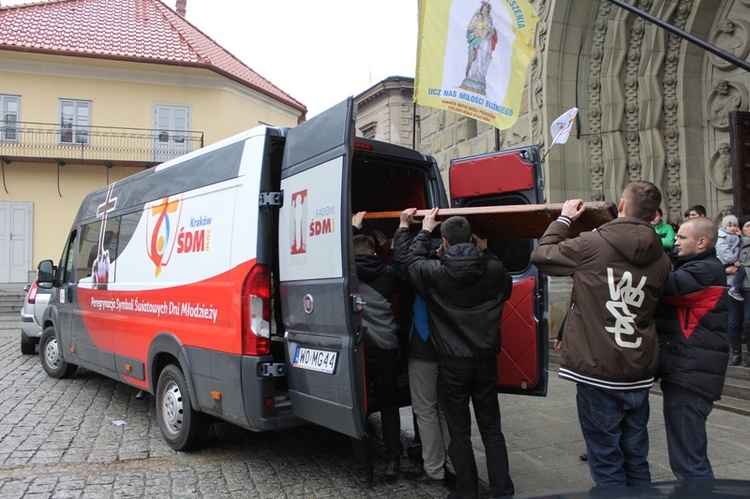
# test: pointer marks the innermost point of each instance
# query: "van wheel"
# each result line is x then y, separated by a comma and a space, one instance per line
28, 345
183, 427
51, 356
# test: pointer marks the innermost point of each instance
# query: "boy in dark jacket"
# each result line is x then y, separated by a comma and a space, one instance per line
377, 285
465, 291
691, 322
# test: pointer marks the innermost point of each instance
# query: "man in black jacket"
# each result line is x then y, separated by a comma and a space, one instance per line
691, 323
465, 291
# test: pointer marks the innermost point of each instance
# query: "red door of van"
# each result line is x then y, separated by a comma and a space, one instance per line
512, 177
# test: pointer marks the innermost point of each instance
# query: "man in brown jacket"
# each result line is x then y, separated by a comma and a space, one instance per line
609, 343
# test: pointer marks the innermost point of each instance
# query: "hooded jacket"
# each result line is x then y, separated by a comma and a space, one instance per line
691, 322
619, 273
465, 291
377, 284
666, 233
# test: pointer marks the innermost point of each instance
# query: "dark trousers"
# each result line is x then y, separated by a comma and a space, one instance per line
382, 375
685, 415
613, 424
455, 388
739, 321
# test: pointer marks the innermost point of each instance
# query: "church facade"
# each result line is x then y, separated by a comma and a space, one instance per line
653, 106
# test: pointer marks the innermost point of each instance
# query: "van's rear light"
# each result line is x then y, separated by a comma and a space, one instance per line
33, 291
362, 145
256, 312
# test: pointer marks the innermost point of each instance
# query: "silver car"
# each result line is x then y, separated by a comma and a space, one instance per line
34, 304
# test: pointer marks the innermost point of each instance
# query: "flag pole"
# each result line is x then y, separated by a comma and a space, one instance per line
554, 141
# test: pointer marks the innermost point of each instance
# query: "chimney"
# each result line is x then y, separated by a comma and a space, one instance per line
181, 7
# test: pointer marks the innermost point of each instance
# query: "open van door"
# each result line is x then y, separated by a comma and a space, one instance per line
319, 300
511, 177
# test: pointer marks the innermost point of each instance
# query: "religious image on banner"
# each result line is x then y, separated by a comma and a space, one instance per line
481, 36
473, 55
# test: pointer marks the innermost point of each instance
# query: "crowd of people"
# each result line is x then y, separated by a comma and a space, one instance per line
649, 302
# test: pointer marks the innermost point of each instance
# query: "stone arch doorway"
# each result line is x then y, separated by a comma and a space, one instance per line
652, 105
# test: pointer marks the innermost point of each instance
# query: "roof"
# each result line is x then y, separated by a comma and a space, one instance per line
129, 30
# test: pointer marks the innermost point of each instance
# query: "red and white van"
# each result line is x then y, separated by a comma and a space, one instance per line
223, 282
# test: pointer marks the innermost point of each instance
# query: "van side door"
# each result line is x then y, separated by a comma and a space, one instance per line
319, 300
511, 177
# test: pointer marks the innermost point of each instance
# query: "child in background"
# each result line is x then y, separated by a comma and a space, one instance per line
728, 251
665, 231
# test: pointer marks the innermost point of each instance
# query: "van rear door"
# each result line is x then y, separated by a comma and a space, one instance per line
319, 300
511, 177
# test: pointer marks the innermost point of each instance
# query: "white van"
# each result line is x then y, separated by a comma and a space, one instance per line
223, 282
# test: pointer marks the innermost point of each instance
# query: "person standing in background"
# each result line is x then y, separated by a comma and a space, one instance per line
665, 231
739, 311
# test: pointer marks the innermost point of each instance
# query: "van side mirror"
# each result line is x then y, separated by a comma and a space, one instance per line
45, 272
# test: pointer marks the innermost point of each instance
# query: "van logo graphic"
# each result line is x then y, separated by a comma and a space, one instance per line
299, 222
161, 227
100, 261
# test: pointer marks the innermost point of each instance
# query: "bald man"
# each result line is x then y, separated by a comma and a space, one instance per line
691, 323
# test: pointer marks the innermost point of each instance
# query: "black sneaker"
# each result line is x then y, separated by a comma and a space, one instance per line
423, 477
364, 481
735, 359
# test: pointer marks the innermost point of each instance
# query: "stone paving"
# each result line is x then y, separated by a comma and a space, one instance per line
58, 440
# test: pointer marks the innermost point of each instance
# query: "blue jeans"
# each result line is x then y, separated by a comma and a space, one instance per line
685, 414
454, 389
614, 428
739, 320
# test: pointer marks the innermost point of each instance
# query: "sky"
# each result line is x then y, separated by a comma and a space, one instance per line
319, 52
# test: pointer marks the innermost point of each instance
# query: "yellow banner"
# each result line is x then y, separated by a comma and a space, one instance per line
472, 57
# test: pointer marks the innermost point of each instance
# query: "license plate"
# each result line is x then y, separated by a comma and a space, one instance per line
315, 360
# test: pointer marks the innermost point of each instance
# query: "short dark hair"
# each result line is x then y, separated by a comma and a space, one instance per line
364, 245
698, 208
456, 230
643, 199
705, 227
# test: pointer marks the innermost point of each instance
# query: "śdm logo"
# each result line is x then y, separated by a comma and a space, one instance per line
162, 222
299, 222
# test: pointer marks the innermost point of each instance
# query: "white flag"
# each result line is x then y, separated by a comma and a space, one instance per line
560, 129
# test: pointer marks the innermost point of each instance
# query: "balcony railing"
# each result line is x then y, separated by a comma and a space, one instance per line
92, 143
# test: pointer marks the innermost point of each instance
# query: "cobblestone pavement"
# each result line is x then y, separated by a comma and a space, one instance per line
58, 440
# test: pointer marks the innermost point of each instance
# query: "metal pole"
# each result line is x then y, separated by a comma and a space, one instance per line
682, 34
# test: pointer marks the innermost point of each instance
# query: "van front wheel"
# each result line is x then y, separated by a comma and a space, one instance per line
51, 356
183, 427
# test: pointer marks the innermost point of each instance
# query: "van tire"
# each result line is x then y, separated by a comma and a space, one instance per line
51, 356
182, 427
28, 345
